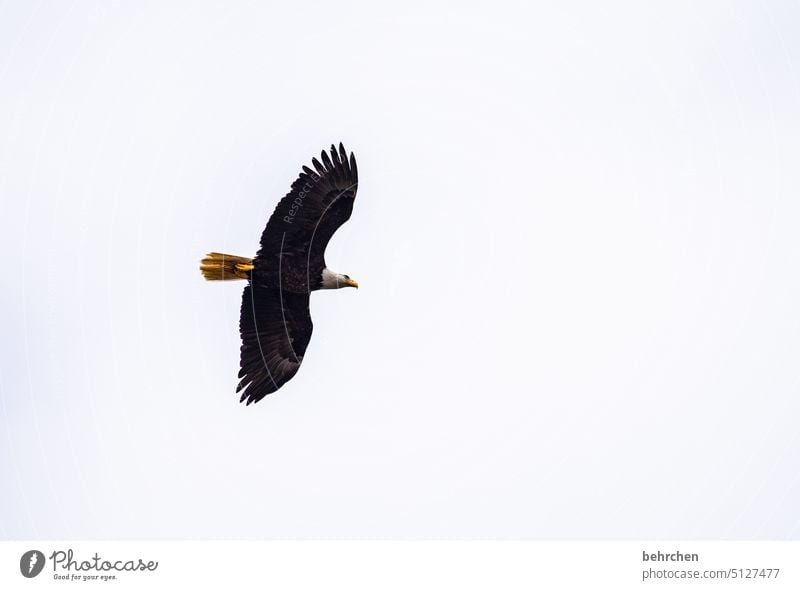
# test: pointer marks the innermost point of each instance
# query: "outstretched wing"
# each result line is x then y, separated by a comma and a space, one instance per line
275, 327
319, 202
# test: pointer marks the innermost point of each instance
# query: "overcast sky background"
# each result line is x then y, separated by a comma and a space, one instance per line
577, 235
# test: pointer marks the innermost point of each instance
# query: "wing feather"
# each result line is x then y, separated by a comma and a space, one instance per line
307, 217
275, 328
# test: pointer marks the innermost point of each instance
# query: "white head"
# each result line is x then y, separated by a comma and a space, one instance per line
334, 280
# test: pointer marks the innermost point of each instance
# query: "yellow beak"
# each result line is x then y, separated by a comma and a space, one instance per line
351, 283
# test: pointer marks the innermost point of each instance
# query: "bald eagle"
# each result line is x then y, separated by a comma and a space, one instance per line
275, 322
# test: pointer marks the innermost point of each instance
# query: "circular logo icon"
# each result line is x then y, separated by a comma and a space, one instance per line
31, 563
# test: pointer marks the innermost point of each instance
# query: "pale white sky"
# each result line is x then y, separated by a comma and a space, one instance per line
576, 235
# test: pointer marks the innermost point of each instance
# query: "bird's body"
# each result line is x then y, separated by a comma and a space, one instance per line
275, 322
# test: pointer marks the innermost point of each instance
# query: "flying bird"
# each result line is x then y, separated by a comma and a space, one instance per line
275, 321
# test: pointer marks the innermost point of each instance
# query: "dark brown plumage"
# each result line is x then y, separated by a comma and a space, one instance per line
275, 322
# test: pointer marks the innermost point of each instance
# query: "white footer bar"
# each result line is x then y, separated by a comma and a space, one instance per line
399, 564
